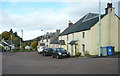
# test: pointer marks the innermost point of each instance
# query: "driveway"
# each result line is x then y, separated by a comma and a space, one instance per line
34, 63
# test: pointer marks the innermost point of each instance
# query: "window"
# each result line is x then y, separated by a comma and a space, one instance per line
67, 42
83, 47
67, 38
83, 34
73, 36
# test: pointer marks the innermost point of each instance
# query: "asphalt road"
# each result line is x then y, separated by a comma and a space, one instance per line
0, 63
34, 63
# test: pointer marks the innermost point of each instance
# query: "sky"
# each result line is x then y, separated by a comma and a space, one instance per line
48, 15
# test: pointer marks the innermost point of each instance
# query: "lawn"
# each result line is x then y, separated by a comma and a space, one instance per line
23, 50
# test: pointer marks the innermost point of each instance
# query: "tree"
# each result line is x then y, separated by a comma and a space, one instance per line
6, 35
15, 34
16, 41
34, 45
11, 38
23, 44
11, 31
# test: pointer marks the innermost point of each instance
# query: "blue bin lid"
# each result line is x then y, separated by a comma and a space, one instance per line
109, 46
103, 46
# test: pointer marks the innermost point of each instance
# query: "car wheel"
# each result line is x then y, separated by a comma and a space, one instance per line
43, 54
68, 56
38, 52
57, 57
53, 56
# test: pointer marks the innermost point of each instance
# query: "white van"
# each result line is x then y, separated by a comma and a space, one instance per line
40, 49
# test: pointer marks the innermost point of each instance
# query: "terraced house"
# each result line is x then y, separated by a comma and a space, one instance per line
82, 36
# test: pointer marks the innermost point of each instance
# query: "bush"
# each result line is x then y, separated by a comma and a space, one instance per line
33, 45
22, 50
78, 54
17, 48
1, 48
86, 53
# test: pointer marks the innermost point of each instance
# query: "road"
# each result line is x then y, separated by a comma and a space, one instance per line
34, 63
0, 63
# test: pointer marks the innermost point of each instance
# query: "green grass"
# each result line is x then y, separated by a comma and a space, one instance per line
23, 50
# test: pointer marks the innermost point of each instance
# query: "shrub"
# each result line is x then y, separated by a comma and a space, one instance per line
77, 54
86, 53
17, 48
33, 45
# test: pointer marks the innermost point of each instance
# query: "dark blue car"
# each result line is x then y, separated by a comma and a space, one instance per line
60, 53
47, 51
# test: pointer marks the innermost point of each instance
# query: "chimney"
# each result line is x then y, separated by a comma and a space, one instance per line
70, 24
58, 31
109, 8
47, 33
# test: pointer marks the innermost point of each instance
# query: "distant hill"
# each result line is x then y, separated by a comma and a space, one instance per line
39, 38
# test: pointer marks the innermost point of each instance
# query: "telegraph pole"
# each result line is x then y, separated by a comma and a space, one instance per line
21, 38
99, 30
22, 33
11, 42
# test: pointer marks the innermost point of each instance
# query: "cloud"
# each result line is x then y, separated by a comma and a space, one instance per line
33, 22
46, 19
57, 0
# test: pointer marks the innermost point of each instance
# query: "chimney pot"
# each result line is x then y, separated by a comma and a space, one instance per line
109, 5
58, 31
70, 23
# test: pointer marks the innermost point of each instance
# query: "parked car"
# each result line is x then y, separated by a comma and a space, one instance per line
60, 53
47, 51
40, 49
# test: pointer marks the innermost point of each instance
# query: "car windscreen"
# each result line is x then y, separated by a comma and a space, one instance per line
60, 49
49, 49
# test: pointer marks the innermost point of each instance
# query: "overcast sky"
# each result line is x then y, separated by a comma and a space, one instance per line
48, 15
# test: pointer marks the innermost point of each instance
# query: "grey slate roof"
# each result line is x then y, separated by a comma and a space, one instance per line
84, 23
62, 42
55, 41
6, 43
73, 42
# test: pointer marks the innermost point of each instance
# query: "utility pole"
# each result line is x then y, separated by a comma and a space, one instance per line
22, 32
21, 38
42, 37
11, 42
99, 30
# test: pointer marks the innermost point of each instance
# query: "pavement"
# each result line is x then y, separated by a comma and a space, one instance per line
114, 55
34, 63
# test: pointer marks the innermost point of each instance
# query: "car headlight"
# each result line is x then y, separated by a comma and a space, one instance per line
68, 52
59, 53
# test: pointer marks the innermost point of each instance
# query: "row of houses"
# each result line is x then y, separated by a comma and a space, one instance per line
5, 45
50, 39
8, 45
82, 36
